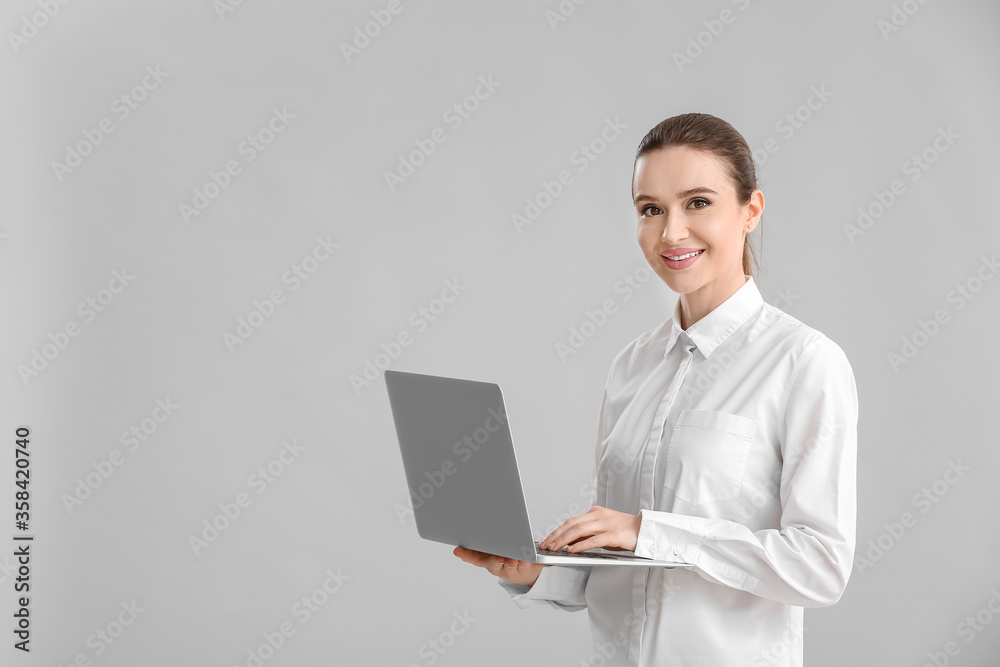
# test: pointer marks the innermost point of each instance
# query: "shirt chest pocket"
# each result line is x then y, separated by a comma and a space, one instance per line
707, 455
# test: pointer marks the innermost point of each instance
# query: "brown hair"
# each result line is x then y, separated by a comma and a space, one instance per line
713, 135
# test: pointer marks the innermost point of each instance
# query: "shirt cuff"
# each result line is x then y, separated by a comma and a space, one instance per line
673, 538
557, 585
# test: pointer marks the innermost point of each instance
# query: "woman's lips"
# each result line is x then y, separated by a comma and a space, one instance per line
683, 263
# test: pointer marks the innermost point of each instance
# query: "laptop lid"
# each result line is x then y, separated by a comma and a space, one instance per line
458, 455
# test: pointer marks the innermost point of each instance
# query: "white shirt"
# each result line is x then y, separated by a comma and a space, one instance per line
736, 443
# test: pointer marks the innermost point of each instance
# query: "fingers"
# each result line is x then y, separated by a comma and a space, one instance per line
570, 530
587, 536
596, 528
492, 563
557, 538
478, 558
590, 543
570, 535
507, 566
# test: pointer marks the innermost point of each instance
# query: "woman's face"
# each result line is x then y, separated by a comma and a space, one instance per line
685, 202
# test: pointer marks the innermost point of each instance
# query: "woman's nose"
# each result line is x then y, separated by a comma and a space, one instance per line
673, 232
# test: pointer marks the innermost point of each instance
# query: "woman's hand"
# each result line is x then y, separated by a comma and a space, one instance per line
511, 569
599, 527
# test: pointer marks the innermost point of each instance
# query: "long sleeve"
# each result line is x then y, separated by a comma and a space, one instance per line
560, 586
807, 561
563, 586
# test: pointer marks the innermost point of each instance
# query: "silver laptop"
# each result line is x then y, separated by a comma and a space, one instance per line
462, 473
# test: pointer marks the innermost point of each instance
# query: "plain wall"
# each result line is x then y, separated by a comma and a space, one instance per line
332, 513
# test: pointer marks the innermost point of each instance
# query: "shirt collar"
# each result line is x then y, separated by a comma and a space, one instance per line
711, 330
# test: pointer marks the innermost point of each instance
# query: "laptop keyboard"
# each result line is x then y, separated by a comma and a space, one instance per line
585, 554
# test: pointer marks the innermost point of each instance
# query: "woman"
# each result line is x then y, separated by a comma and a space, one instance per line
727, 439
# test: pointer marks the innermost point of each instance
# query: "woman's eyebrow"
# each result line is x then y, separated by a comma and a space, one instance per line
701, 189
696, 191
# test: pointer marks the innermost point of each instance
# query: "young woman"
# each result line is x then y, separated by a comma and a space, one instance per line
727, 439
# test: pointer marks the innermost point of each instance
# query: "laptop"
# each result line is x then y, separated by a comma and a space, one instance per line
465, 488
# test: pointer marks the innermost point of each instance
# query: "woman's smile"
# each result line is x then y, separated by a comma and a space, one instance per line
681, 258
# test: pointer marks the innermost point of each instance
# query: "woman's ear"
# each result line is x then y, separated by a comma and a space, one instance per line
755, 208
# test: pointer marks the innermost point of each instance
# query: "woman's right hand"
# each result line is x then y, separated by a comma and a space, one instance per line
511, 569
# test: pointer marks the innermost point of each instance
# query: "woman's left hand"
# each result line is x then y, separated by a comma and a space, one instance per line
599, 527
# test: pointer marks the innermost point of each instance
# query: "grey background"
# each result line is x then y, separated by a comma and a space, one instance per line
335, 507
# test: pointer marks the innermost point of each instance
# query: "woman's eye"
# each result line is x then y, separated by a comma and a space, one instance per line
646, 210
700, 200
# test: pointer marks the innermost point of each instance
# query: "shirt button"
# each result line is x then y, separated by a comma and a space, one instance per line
677, 551
652, 548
